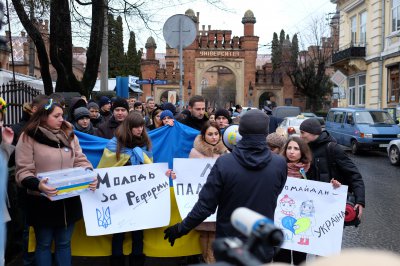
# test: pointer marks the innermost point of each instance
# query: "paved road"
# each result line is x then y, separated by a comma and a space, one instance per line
380, 223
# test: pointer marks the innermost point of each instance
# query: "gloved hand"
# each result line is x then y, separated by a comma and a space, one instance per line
174, 232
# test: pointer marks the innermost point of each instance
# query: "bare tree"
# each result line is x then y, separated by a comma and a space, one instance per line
307, 69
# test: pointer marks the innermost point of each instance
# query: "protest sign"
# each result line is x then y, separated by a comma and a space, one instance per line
191, 175
311, 215
128, 198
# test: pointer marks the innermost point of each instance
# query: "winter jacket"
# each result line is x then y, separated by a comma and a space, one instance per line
107, 129
342, 167
202, 149
251, 176
97, 121
37, 153
193, 122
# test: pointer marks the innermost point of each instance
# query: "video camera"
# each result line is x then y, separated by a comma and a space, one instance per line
261, 233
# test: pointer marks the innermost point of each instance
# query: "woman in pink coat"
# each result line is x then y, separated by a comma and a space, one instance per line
208, 145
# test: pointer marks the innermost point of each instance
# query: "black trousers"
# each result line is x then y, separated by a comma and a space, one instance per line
286, 255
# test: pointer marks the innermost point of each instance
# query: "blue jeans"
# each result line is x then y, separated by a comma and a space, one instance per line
62, 241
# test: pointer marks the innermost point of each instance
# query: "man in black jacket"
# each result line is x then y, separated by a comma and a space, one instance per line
197, 108
331, 162
251, 176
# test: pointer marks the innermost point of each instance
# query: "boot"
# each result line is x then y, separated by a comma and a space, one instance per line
307, 242
301, 242
137, 260
117, 260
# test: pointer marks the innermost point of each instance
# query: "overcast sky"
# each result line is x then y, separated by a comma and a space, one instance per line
291, 15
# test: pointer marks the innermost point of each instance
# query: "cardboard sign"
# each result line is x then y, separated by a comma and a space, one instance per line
311, 215
128, 198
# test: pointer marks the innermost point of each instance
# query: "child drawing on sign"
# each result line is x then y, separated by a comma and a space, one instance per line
304, 225
287, 216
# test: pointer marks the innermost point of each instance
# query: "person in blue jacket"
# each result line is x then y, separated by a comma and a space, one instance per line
251, 176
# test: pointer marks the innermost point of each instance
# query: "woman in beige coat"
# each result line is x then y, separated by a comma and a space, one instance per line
48, 143
208, 145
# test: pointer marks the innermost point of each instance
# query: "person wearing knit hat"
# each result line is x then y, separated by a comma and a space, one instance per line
94, 111
254, 122
275, 142
312, 126
105, 107
120, 111
223, 118
82, 120
167, 118
251, 172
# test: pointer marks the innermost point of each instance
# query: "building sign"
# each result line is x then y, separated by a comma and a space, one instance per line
219, 54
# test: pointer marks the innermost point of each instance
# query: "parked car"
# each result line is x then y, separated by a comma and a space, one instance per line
312, 115
286, 111
362, 129
290, 126
393, 151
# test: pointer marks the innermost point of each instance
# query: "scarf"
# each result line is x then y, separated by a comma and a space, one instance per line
51, 137
88, 130
294, 169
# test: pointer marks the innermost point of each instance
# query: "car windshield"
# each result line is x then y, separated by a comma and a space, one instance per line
373, 117
296, 122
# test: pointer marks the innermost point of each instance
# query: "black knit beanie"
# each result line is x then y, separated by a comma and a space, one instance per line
312, 126
254, 122
225, 113
120, 102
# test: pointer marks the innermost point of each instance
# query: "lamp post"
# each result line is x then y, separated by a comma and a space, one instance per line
250, 94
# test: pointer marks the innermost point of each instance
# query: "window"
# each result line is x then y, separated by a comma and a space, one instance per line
394, 85
357, 90
363, 27
353, 28
349, 119
361, 90
339, 117
352, 91
395, 15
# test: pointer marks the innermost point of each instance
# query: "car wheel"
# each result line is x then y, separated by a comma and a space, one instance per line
354, 147
394, 155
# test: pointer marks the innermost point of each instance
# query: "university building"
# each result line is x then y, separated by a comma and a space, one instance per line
221, 67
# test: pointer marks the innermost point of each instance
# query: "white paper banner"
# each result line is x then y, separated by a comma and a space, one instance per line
128, 198
191, 175
311, 215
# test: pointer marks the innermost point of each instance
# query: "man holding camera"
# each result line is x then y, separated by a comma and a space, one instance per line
251, 176
331, 162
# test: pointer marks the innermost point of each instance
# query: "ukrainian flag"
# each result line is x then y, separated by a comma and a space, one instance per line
168, 143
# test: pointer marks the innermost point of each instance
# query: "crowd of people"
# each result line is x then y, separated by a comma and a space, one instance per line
259, 166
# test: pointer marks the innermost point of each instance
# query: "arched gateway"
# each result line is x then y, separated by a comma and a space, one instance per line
219, 66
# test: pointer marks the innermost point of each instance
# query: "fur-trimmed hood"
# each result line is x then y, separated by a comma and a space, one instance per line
203, 149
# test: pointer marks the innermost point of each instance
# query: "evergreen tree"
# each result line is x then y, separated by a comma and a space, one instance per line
133, 57
294, 50
276, 54
282, 37
116, 57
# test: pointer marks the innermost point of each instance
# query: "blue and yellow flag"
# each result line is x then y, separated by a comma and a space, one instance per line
168, 143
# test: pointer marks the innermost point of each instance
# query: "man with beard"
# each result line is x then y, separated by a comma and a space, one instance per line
197, 108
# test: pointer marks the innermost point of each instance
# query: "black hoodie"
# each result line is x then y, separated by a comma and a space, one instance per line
251, 176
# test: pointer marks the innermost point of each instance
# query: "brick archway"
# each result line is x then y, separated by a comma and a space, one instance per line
235, 65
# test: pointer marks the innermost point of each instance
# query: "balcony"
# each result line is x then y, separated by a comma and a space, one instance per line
347, 53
